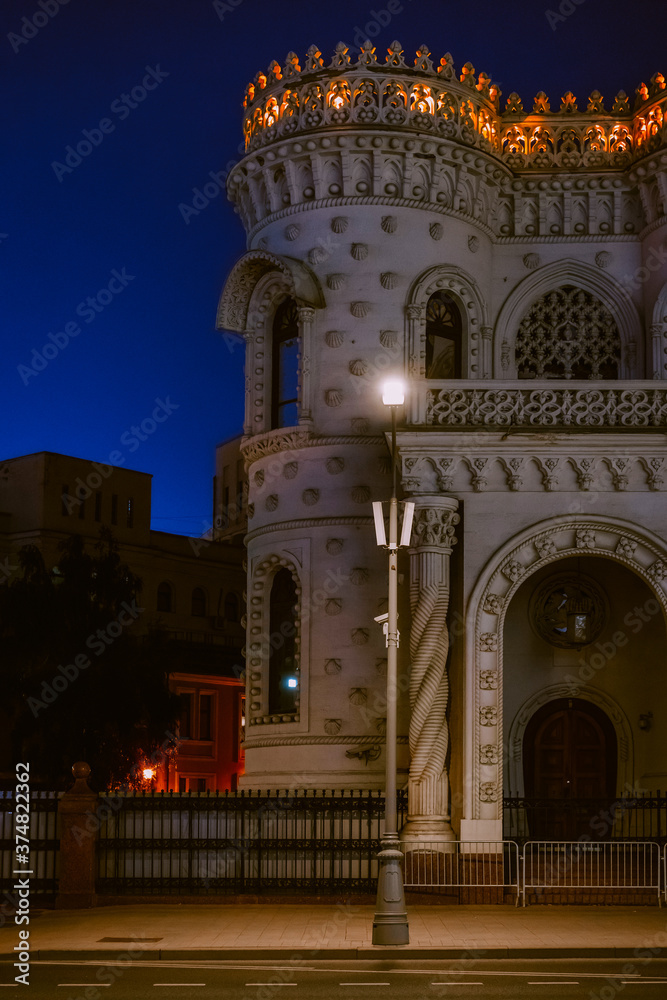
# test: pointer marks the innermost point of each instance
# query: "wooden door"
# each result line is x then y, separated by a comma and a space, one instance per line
569, 768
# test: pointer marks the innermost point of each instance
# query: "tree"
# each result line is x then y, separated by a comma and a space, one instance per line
83, 678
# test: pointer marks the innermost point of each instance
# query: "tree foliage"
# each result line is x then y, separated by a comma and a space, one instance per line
83, 679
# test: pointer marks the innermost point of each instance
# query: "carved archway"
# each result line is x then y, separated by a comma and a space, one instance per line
639, 550
234, 308
589, 279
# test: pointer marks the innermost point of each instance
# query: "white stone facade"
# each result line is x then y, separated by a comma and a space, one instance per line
368, 189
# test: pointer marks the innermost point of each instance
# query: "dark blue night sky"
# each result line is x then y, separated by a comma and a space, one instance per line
100, 260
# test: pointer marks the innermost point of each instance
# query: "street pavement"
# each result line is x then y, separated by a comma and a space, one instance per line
338, 931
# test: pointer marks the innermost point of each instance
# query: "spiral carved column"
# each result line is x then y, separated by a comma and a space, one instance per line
428, 786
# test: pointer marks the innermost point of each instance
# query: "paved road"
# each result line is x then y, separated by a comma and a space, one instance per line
407, 980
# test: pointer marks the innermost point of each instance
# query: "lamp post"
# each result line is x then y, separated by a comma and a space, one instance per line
390, 924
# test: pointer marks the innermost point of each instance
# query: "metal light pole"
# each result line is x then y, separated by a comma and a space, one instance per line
390, 924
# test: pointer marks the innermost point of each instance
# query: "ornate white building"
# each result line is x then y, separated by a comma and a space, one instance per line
512, 266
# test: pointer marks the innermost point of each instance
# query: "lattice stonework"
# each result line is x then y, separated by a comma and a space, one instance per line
568, 334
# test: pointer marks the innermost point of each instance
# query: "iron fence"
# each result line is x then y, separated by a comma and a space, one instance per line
302, 842
629, 817
44, 845
558, 872
491, 869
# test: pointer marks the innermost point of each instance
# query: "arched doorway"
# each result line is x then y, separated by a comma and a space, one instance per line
569, 754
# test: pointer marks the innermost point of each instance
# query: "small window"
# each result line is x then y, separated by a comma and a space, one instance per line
231, 608
164, 597
205, 716
185, 716
114, 508
198, 603
130, 512
98, 506
443, 337
64, 497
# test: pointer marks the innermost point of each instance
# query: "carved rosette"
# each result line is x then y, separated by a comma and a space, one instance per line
433, 538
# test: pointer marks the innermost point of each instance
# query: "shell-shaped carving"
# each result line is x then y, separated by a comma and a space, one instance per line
317, 255
358, 696
381, 665
384, 464
389, 223
292, 232
473, 244
359, 575
335, 281
531, 261
389, 338
333, 667
258, 478
603, 258
388, 279
290, 470
271, 501
381, 726
251, 510
334, 338
334, 546
361, 494
333, 397
335, 465
359, 366
332, 726
360, 636
333, 606
310, 497
359, 251
262, 243
339, 224
360, 309
360, 425
436, 230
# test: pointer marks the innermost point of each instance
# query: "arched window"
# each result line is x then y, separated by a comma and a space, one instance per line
231, 608
198, 603
164, 597
285, 366
443, 337
568, 333
283, 670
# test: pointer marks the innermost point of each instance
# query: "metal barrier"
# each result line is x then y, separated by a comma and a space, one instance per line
554, 869
486, 869
44, 843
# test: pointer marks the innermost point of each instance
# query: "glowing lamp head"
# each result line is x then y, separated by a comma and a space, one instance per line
393, 392
148, 773
292, 682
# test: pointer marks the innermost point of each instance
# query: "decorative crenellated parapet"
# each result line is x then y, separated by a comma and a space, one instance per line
434, 527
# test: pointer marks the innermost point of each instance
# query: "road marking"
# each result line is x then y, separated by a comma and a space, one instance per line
558, 982
364, 984
644, 982
84, 984
271, 984
176, 984
457, 984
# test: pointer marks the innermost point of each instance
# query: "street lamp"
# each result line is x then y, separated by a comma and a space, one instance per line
390, 924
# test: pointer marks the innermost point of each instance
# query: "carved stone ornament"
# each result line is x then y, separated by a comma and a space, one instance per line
359, 251
381, 726
258, 478
488, 715
531, 261
388, 279
333, 397
381, 665
552, 601
271, 502
360, 636
310, 497
332, 726
359, 575
488, 792
334, 546
585, 538
436, 230
488, 680
332, 667
335, 281
251, 510
603, 258
513, 570
389, 338
359, 367
658, 570
335, 465
389, 223
435, 526
317, 255
360, 309
292, 232
358, 696
291, 469
361, 494
334, 338
545, 547
360, 425
339, 224
473, 244
488, 754
493, 604
333, 606
488, 642
626, 547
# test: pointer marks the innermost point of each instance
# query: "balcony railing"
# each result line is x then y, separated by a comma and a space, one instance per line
537, 403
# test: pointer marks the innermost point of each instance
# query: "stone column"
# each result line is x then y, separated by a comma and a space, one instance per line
428, 783
658, 345
78, 842
486, 370
416, 326
306, 317
249, 338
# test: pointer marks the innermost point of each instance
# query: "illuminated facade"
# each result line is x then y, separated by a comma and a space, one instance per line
512, 266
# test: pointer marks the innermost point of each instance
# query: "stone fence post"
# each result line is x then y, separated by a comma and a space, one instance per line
78, 841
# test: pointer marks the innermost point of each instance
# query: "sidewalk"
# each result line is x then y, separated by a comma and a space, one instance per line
311, 932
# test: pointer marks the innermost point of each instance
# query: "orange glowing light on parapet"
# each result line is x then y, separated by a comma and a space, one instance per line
148, 773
